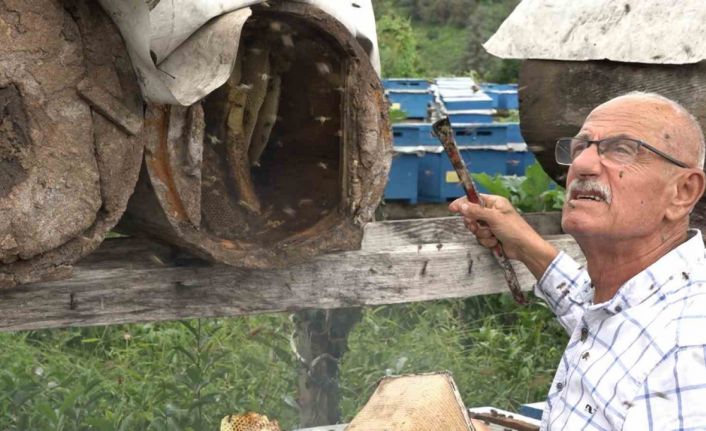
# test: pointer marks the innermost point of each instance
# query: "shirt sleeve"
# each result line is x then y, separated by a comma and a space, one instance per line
566, 288
672, 396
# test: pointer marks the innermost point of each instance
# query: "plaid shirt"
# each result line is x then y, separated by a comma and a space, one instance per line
637, 361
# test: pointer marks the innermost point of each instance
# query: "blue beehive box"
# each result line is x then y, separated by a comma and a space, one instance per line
504, 95
413, 134
513, 133
471, 116
415, 103
518, 161
527, 159
497, 87
468, 102
402, 181
405, 84
438, 181
533, 410
508, 100
480, 133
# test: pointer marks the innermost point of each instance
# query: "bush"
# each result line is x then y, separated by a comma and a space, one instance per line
186, 376
535, 192
176, 376
499, 353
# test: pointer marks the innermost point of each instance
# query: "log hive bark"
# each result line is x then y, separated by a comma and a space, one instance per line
70, 126
293, 158
556, 97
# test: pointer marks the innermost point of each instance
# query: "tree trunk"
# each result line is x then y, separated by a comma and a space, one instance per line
321, 341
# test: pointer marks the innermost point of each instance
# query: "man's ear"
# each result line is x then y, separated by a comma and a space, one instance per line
689, 187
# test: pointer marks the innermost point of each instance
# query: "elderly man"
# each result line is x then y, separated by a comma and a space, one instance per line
636, 314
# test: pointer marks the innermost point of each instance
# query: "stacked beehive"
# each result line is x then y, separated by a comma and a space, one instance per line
420, 171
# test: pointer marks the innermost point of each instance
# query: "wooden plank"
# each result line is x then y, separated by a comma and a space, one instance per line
548, 223
442, 230
133, 280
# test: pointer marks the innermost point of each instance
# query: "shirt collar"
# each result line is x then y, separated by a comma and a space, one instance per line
678, 264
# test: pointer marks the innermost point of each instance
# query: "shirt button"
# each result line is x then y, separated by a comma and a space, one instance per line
559, 386
584, 334
585, 356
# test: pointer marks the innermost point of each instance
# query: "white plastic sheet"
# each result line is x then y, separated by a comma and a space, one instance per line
184, 49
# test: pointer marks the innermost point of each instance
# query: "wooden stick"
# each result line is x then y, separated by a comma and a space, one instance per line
444, 131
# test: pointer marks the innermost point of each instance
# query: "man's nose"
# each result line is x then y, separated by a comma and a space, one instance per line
588, 163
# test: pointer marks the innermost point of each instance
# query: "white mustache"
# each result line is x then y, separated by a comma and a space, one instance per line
578, 186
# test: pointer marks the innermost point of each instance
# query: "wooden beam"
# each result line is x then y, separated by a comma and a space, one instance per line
134, 280
442, 230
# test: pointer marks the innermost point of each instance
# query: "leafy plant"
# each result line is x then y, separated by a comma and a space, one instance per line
499, 353
397, 115
167, 376
398, 51
508, 116
532, 193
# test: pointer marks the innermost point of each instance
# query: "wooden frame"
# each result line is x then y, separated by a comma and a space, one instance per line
135, 280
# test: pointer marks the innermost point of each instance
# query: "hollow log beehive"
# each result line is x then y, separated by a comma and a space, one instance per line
286, 160
70, 134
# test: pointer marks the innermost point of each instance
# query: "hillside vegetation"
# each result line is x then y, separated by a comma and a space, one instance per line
430, 38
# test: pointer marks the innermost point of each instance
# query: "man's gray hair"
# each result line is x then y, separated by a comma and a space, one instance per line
680, 111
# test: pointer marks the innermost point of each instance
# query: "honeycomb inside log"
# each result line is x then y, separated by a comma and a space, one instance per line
297, 179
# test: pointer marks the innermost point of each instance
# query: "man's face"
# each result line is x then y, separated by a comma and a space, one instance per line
637, 191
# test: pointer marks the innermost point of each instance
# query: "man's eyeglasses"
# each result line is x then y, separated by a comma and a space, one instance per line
620, 151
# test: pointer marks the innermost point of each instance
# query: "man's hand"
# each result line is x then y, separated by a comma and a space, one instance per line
497, 220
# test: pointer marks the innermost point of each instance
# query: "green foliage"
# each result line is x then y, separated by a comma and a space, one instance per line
441, 50
509, 116
499, 353
398, 52
482, 23
532, 193
443, 12
186, 376
171, 376
447, 37
397, 115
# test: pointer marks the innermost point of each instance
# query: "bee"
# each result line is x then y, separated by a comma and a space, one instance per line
322, 119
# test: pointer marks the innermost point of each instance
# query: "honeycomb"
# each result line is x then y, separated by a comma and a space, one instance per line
249, 422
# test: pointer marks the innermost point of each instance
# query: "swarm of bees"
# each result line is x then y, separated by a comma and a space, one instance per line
249, 422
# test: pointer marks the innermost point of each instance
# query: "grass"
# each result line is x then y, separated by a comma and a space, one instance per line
187, 375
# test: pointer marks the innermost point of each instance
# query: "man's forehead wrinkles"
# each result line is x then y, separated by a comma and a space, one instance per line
605, 124
586, 134
623, 135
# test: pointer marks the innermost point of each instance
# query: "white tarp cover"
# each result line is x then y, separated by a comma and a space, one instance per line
638, 31
184, 49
